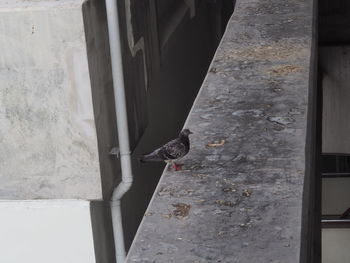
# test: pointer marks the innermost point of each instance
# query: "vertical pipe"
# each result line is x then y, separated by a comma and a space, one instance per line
118, 231
122, 123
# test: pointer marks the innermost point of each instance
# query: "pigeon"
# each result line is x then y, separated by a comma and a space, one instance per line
171, 151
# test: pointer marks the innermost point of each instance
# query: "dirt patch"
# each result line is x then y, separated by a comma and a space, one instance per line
283, 70
225, 203
181, 210
274, 51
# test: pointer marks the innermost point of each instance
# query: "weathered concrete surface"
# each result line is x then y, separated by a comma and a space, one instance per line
48, 114
241, 199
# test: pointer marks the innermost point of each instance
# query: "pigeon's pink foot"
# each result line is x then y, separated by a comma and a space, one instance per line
177, 167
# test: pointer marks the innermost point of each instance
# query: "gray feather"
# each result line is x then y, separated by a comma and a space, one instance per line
172, 150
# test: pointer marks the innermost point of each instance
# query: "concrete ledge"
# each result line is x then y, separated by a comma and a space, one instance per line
240, 198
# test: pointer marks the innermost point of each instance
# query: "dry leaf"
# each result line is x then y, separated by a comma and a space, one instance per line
221, 143
149, 214
285, 69
225, 203
247, 193
167, 216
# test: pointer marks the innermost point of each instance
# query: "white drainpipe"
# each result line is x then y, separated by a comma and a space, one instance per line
122, 123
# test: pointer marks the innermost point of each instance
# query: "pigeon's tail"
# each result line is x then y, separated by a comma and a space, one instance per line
149, 158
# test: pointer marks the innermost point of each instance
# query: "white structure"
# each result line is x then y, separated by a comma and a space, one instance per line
56, 132
46, 231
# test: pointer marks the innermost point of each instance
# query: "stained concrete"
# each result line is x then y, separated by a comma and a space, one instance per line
48, 134
239, 199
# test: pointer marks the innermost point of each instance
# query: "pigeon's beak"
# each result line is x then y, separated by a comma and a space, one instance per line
191, 132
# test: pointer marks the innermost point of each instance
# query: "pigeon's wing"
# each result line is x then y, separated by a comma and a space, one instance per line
174, 149
152, 157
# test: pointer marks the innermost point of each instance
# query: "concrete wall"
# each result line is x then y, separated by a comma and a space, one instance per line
52, 231
48, 135
57, 126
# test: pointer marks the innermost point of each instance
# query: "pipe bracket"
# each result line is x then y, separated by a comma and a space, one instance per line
115, 152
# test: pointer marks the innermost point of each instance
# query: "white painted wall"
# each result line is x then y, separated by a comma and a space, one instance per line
335, 195
335, 245
46, 232
335, 64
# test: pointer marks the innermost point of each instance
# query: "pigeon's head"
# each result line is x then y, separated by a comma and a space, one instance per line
185, 133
